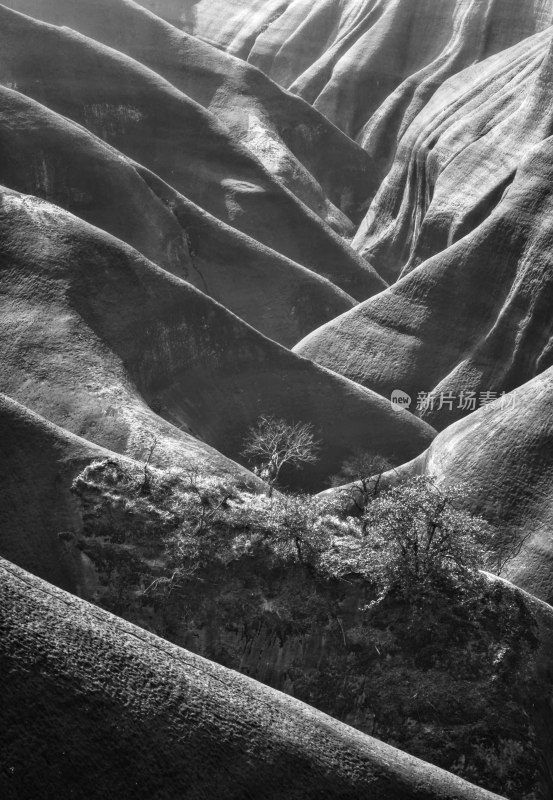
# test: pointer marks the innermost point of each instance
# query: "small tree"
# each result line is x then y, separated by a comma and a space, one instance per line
361, 476
420, 542
272, 443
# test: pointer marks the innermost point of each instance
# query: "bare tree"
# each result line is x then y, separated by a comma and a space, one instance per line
505, 547
361, 476
272, 443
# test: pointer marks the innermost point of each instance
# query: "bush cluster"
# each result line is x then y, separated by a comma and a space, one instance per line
429, 656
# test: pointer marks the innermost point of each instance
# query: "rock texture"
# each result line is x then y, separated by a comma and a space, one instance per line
474, 317
367, 65
322, 166
101, 341
457, 158
457, 121
187, 189
44, 154
147, 118
100, 706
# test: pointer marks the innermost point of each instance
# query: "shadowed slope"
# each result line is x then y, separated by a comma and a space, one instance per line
44, 154
476, 317
39, 515
92, 332
39, 462
297, 144
115, 710
145, 117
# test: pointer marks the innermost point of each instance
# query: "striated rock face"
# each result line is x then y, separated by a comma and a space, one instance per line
458, 157
474, 317
93, 333
367, 65
113, 707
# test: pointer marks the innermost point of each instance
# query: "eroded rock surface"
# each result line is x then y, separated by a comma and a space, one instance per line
324, 168
472, 318
145, 117
100, 340
44, 154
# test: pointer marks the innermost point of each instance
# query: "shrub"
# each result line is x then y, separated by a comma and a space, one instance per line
418, 542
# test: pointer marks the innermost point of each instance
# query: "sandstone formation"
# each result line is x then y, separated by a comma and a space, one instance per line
93, 333
367, 65
322, 166
149, 120
213, 210
473, 318
459, 156
44, 154
98, 705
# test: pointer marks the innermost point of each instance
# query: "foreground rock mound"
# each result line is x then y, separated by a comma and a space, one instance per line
112, 707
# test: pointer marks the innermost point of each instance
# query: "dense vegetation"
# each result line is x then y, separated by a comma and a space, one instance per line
382, 619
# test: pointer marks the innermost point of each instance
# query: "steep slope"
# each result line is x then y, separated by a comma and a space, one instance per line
294, 142
457, 158
44, 154
503, 456
474, 318
39, 462
39, 515
146, 118
96, 704
93, 332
